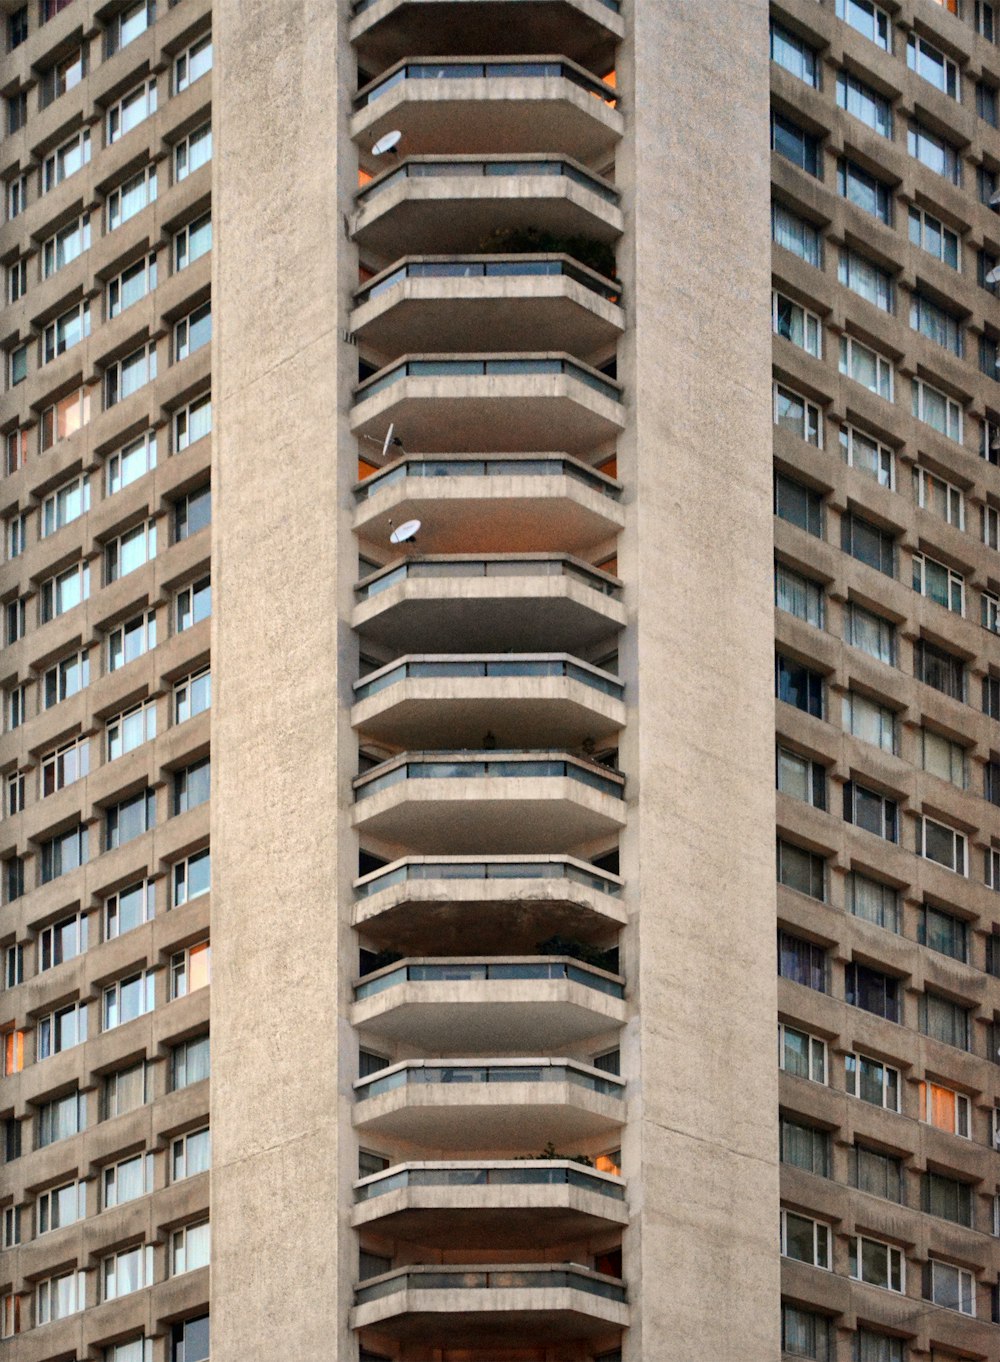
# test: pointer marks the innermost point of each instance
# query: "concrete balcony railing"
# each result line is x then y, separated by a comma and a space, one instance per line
440, 700
473, 1104
430, 904
526, 603
553, 999
458, 1306
454, 203
498, 801
460, 402
541, 302
518, 104
385, 31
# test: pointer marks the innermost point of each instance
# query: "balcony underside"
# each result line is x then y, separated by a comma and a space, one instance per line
524, 1317
490, 1217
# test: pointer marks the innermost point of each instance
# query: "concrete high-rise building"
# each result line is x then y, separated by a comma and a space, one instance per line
501, 944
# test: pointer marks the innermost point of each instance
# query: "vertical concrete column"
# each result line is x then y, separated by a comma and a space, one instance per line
283, 565
701, 1150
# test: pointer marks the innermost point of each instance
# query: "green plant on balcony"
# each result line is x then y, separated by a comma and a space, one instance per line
597, 255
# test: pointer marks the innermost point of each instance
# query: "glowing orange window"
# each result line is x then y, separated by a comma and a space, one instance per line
945, 1109
199, 966
13, 1052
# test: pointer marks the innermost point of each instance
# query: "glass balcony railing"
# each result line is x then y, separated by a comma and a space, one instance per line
527, 1277
507, 765
464, 267
470, 167
524, 68
547, 1173
492, 465
504, 666
460, 566
546, 968
528, 366
413, 870
423, 1071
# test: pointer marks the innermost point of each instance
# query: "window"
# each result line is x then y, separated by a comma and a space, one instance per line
13, 885
791, 232
191, 786
932, 65
872, 991
934, 152
16, 707
871, 811
191, 877
192, 696
193, 604
189, 1248
10, 1314
805, 1147
989, 356
126, 26
130, 551
806, 1240
131, 197
801, 1054
64, 418
948, 1198
944, 499
127, 1180
64, 505
864, 278
801, 870
936, 323
131, 285
191, 65
192, 242
868, 19
60, 1119
17, 280
864, 191
17, 450
796, 414
991, 696
64, 853
131, 640
942, 584
985, 20
62, 941
801, 778
944, 1020
867, 455
193, 331
796, 324
866, 366
13, 963
943, 758
130, 374
798, 504
66, 161
130, 729
193, 152
130, 818
876, 1263
877, 1173
127, 999
986, 271
792, 142
62, 77
13, 1052
942, 844
59, 1206
801, 961
190, 970
192, 513
135, 1350
17, 535
939, 669
871, 722
65, 332
130, 462
868, 544
67, 244
872, 1081
789, 51
129, 908
17, 196
952, 1287
189, 1340
14, 794
190, 1155
57, 1297
17, 28
798, 685
17, 111
986, 103
126, 1271
10, 1233
192, 422
945, 1109
16, 620
864, 103
189, 1063
124, 1091
132, 109
17, 363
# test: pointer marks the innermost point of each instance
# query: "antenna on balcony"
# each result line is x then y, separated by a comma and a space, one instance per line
391, 440
389, 142
408, 530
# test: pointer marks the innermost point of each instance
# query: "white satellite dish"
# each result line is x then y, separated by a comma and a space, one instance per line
407, 530
994, 275
388, 142
388, 439
994, 199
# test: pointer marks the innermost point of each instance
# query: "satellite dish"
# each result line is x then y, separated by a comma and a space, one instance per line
388, 142
388, 439
408, 530
994, 199
994, 275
